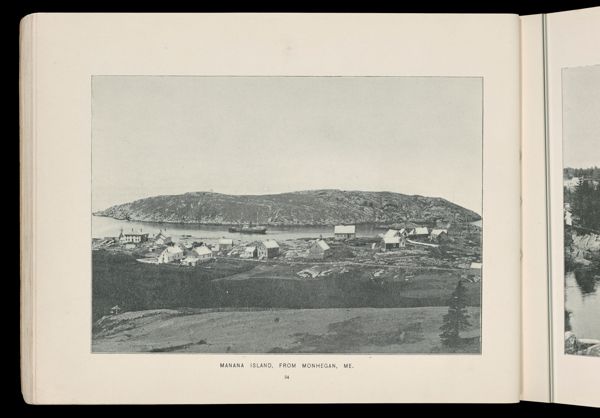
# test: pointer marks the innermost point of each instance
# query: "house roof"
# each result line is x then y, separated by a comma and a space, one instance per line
344, 229
391, 240
202, 250
436, 232
324, 246
226, 241
391, 233
174, 249
270, 243
421, 230
250, 249
190, 258
476, 265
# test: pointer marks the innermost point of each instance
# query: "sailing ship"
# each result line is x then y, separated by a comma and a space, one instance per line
249, 229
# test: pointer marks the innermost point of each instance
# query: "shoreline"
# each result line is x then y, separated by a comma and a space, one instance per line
374, 224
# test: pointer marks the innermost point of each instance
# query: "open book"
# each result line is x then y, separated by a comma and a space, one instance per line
310, 208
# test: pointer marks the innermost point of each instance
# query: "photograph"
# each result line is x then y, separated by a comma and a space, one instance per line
581, 191
307, 214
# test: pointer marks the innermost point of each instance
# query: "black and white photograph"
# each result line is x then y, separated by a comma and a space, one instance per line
300, 214
581, 184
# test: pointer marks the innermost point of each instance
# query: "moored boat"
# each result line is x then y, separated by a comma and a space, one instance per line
248, 229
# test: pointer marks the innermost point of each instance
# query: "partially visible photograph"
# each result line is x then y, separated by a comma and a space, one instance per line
287, 214
581, 188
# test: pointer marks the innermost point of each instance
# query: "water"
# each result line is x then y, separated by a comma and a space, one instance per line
582, 298
109, 227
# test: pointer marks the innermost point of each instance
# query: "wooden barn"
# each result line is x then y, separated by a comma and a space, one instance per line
319, 249
344, 231
438, 235
268, 249
133, 237
203, 253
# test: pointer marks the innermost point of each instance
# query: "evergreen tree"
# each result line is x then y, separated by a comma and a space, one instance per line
586, 204
457, 318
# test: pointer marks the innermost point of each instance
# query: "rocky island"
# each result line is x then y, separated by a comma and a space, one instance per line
314, 207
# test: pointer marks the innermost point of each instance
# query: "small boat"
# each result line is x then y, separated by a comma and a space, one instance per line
248, 229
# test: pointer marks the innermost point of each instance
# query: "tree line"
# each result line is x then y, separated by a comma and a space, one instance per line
585, 203
592, 173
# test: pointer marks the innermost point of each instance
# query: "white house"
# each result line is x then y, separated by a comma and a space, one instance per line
203, 253
391, 242
249, 252
395, 233
225, 244
170, 254
391, 233
421, 231
132, 237
344, 231
268, 249
162, 239
436, 234
190, 261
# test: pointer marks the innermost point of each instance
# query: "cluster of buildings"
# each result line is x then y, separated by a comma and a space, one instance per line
174, 253
164, 251
192, 254
265, 249
394, 237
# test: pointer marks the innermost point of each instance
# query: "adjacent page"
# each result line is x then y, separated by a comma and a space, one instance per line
573, 103
535, 357
273, 208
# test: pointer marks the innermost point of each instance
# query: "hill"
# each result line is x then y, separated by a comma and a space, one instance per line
313, 207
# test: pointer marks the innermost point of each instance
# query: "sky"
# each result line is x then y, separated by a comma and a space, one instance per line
581, 116
156, 135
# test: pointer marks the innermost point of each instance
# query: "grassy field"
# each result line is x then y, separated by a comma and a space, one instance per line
232, 283
346, 330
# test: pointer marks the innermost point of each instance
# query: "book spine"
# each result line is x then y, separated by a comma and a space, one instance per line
27, 203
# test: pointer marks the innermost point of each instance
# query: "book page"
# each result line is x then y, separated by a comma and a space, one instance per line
573, 69
535, 360
276, 208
